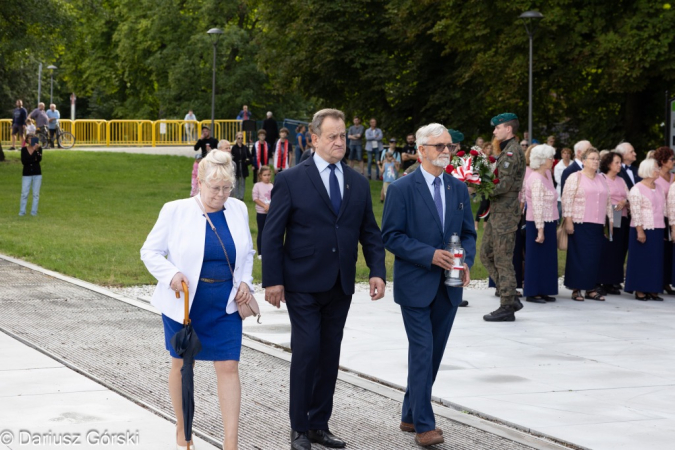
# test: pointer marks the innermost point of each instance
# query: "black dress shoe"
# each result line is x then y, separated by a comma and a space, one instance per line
535, 299
504, 313
548, 298
611, 289
464, 303
644, 297
326, 438
300, 441
654, 297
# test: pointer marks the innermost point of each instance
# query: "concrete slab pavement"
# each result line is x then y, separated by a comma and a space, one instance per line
47, 405
600, 375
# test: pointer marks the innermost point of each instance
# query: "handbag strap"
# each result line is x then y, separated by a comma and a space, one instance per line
213, 228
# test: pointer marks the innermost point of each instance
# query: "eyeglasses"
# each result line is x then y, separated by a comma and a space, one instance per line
440, 147
523, 145
215, 190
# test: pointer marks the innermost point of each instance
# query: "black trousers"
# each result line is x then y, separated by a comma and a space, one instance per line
260, 218
52, 134
317, 324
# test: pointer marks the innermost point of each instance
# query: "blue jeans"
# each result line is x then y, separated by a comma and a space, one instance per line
298, 154
26, 182
374, 156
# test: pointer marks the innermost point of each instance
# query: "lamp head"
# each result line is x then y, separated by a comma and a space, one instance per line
531, 18
52, 67
215, 34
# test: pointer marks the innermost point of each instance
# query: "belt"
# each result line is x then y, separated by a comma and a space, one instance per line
210, 280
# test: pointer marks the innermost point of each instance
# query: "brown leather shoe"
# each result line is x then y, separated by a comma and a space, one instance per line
410, 428
429, 438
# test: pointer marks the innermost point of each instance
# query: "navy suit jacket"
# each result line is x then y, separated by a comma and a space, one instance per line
412, 231
624, 174
573, 167
306, 244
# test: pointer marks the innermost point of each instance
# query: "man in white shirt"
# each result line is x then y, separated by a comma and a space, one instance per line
190, 127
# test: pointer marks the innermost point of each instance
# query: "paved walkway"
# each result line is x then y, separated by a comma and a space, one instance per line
118, 343
598, 374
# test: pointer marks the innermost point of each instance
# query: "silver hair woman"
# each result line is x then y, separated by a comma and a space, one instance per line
216, 265
541, 217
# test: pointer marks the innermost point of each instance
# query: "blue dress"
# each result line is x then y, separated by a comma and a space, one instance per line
219, 332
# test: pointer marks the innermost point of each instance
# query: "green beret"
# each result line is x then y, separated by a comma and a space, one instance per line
456, 136
502, 118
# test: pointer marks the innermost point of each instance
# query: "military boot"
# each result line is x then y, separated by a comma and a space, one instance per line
505, 313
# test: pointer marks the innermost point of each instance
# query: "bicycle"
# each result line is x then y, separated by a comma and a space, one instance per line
64, 139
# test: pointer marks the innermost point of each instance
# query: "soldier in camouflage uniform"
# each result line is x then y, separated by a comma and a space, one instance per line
496, 252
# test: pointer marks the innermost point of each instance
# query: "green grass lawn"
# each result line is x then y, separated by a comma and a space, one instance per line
96, 210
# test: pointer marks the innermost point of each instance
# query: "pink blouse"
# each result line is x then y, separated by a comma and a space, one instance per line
647, 207
542, 200
618, 192
670, 204
262, 191
663, 184
587, 200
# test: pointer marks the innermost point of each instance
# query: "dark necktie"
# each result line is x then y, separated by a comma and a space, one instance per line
335, 197
437, 198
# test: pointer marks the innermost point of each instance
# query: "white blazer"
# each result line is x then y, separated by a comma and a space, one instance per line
176, 244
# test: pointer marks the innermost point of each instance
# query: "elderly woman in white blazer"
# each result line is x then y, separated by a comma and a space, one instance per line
217, 267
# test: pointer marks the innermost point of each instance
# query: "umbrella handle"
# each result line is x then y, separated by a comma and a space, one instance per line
187, 302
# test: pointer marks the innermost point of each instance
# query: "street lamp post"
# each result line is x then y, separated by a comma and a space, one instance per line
215, 36
530, 18
51, 68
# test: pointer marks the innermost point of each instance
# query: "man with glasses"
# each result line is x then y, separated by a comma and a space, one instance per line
496, 252
241, 157
422, 212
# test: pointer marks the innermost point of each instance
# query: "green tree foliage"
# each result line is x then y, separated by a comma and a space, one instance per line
31, 32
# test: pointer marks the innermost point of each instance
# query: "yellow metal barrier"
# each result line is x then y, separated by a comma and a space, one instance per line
136, 132
89, 132
224, 129
176, 132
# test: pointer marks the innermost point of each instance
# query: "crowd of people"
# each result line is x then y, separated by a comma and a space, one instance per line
588, 192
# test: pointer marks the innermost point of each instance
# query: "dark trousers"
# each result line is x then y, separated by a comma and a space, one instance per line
52, 134
317, 324
428, 329
260, 218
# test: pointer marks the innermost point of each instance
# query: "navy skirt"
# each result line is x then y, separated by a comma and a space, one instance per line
541, 264
584, 256
613, 256
644, 271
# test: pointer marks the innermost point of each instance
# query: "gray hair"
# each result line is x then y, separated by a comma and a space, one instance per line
432, 130
580, 146
539, 154
622, 148
216, 166
647, 168
269, 113
317, 120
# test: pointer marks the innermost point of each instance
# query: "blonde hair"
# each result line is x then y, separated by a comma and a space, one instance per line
216, 166
262, 170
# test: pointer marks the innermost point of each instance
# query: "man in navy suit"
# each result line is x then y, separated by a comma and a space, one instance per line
421, 213
320, 210
628, 172
576, 165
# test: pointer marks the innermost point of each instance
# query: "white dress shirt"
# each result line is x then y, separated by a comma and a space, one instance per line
429, 178
324, 172
629, 172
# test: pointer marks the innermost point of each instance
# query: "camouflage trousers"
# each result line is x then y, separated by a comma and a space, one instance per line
496, 254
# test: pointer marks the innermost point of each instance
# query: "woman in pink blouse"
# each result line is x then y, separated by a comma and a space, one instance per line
644, 271
541, 263
670, 215
586, 203
611, 272
665, 159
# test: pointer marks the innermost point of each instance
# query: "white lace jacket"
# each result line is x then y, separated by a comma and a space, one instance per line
574, 205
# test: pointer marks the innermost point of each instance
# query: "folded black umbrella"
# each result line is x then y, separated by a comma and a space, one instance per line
187, 345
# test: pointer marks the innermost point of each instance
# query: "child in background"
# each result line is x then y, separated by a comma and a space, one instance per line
195, 172
262, 154
389, 169
30, 129
262, 196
